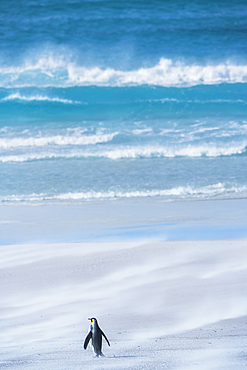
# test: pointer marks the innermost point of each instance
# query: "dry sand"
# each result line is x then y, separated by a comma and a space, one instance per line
162, 304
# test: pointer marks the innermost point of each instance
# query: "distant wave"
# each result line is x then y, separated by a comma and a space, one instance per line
120, 153
59, 72
7, 143
195, 101
182, 192
44, 98
18, 96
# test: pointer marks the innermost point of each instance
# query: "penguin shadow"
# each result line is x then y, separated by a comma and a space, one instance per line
123, 356
102, 356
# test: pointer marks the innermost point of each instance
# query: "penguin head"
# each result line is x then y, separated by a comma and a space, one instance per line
93, 321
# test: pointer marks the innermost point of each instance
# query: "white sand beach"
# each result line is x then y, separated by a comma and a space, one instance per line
163, 304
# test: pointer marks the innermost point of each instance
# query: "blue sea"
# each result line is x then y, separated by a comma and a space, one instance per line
105, 100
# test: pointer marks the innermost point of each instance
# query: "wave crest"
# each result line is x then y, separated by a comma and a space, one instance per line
166, 73
166, 152
59, 72
59, 140
18, 96
113, 154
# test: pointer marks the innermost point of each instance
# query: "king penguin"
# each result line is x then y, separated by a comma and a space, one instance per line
95, 333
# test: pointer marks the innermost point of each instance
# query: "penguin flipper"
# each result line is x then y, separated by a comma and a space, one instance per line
87, 339
105, 338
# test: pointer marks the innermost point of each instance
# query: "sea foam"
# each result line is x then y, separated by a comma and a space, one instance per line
58, 140
180, 191
114, 154
218, 190
166, 73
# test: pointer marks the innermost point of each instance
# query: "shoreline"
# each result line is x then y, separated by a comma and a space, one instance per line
123, 220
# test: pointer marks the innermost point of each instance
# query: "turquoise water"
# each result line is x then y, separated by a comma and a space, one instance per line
109, 100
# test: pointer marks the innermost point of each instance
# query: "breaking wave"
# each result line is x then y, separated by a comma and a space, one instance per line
166, 73
180, 192
187, 151
59, 140
117, 153
59, 72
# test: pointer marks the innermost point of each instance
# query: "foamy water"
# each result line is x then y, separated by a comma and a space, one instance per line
116, 102
167, 73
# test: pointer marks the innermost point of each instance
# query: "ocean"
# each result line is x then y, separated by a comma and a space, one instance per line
104, 100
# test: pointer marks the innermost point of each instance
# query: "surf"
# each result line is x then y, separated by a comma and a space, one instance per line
59, 72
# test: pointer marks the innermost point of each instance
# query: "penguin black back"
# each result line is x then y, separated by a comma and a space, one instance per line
95, 335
